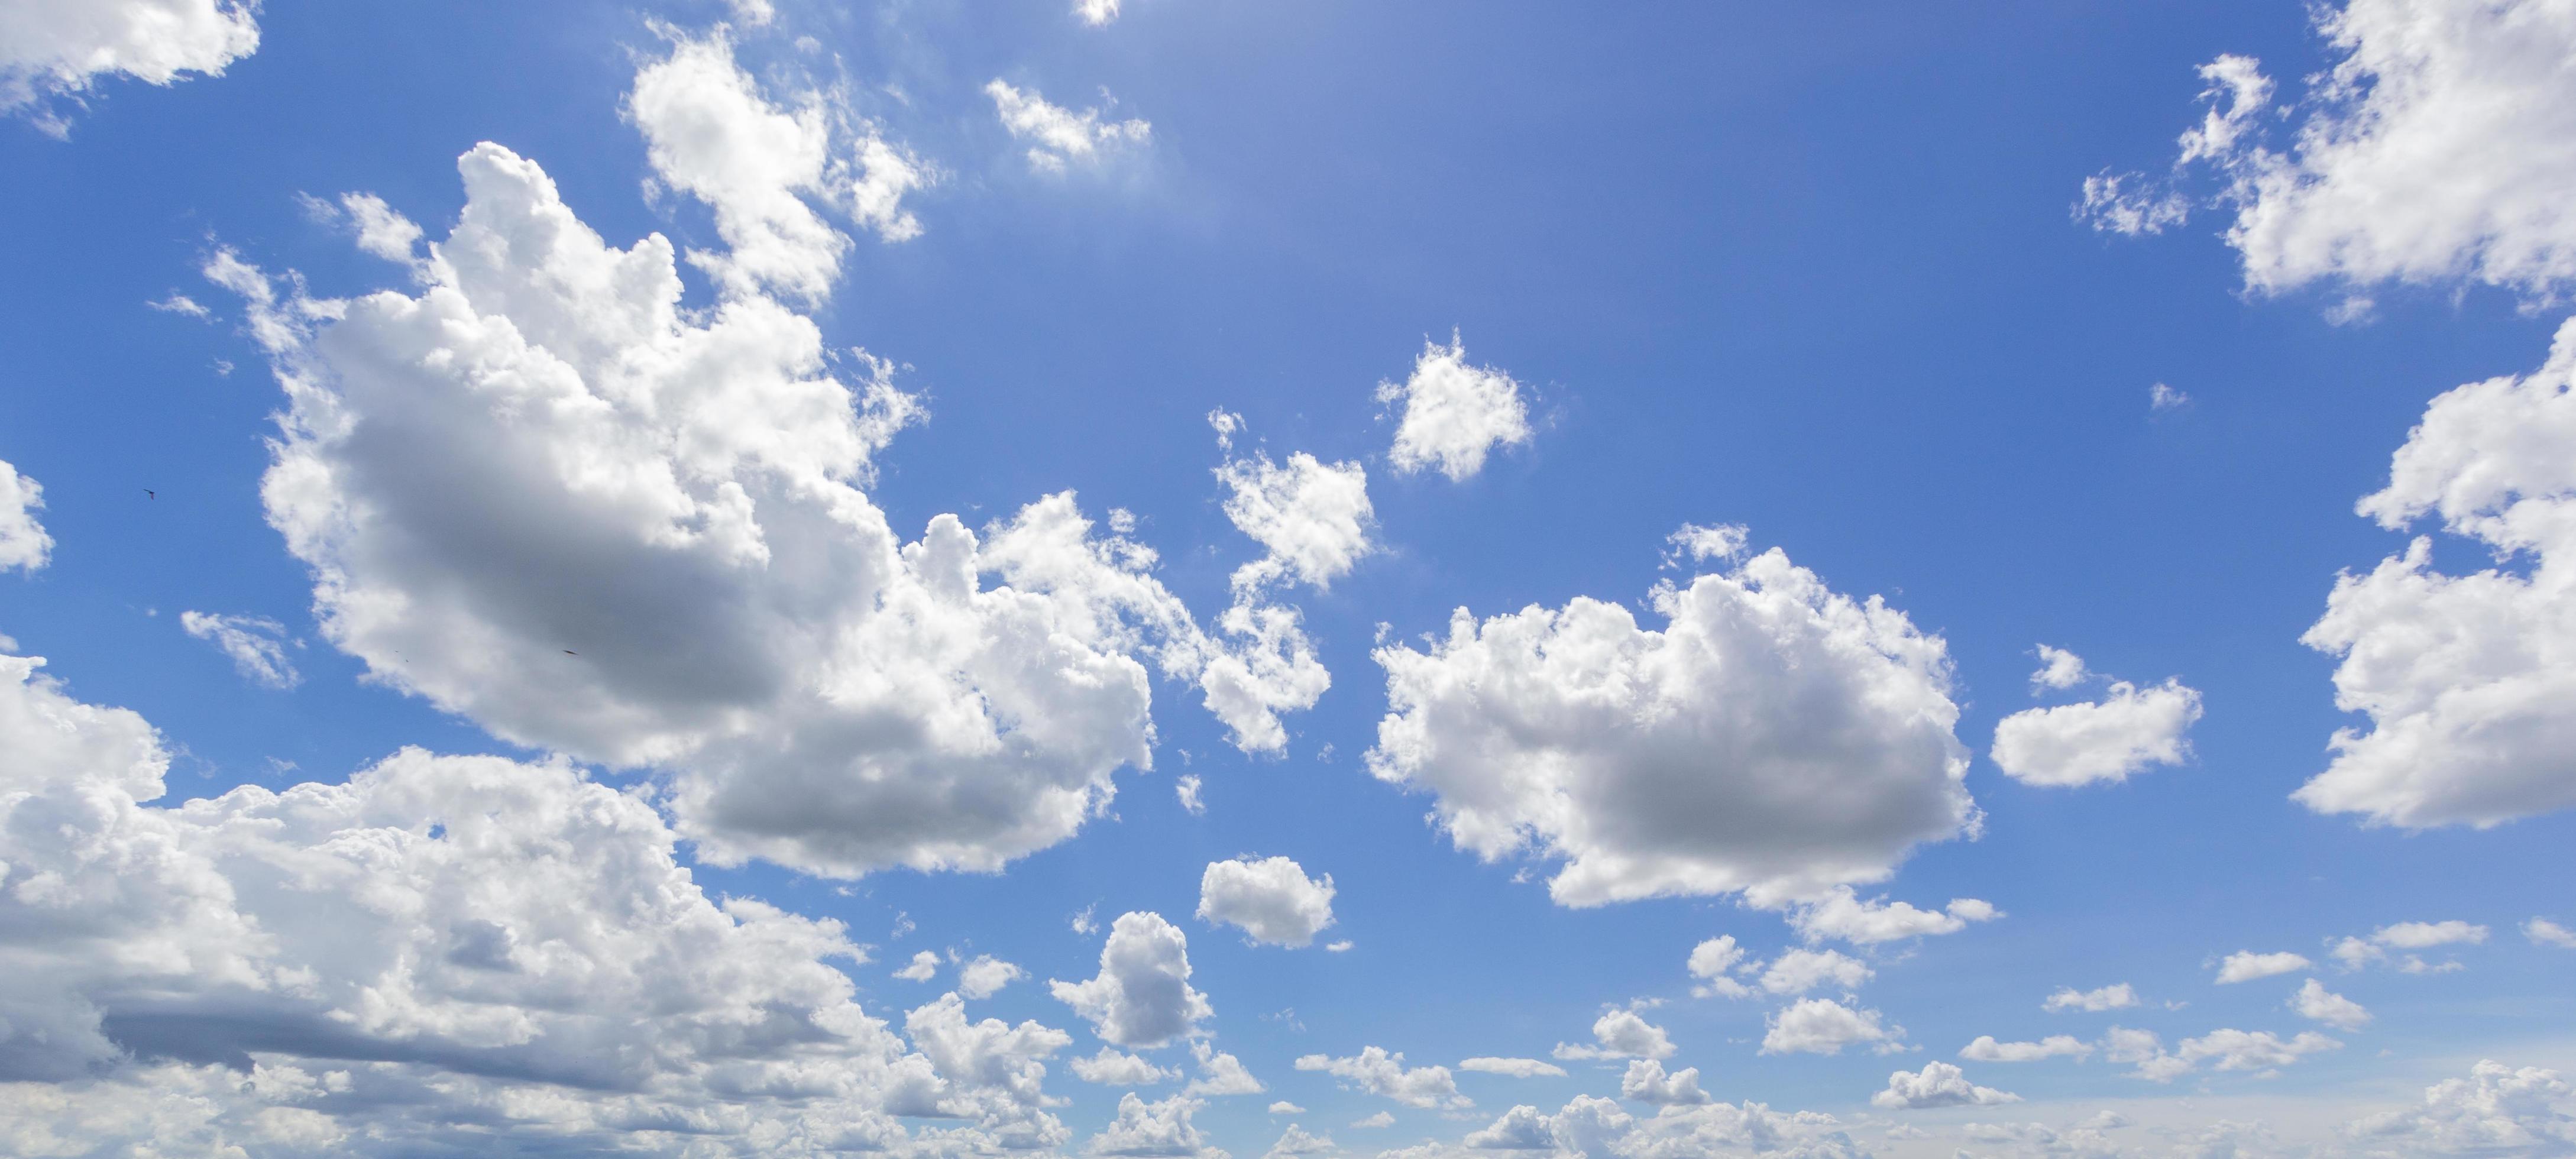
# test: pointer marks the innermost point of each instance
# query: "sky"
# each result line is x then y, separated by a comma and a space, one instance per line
1234, 578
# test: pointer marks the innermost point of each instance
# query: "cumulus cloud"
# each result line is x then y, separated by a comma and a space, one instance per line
2426, 935
1271, 899
1186, 790
986, 975
1220, 1074
1799, 971
2469, 680
255, 644
1621, 1034
2059, 668
1519, 1068
401, 956
2544, 932
1646, 1082
1589, 1125
56, 50
2246, 966
1823, 1026
2496, 1110
2104, 740
1454, 414
2114, 997
2252, 1050
1111, 1067
923, 967
1058, 135
2317, 1004
1938, 1084
1153, 1129
1295, 1141
24, 545
1711, 962
1142, 995
2144, 1051
761, 167
1842, 915
1775, 737
1380, 1073
1986, 1049
1313, 518
543, 495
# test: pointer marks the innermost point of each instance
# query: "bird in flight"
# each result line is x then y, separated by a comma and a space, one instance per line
149, 493
570, 652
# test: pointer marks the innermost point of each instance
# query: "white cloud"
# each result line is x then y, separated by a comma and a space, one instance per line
1059, 135
1593, 1126
2104, 740
2469, 680
57, 49
1095, 13
2426, 935
2112, 997
2146, 1052
1375, 1121
814, 690
1938, 1084
2161, 398
23, 542
1110, 1067
2252, 1050
1621, 1034
1646, 1082
2059, 668
1776, 738
2316, 1004
1986, 1049
402, 955
2246, 966
1799, 971
1822, 1026
177, 303
1295, 1141
1272, 899
1187, 790
2496, 1110
1220, 1074
1142, 995
923, 967
1312, 518
1379, 1073
1711, 961
256, 645
380, 230
2544, 932
1153, 1129
1840, 914
1519, 1068
1454, 414
713, 134
986, 975
1284, 1107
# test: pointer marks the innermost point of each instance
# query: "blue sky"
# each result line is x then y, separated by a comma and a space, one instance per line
1832, 279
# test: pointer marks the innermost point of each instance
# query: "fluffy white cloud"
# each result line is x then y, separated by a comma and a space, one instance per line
544, 495
1295, 1141
2469, 680
1095, 13
62, 48
2252, 1050
1153, 1129
1272, 899
1593, 1126
1711, 961
1822, 1026
2142, 1049
1284, 1107
436, 943
1938, 1084
2317, 1004
2246, 966
714, 135
1842, 915
923, 967
1986, 1049
1375, 1121
2059, 668
1111, 1067
2114, 997
2104, 740
1776, 738
2497, 1110
255, 644
2544, 932
1379, 1073
23, 542
1312, 517
1058, 135
1646, 1082
1519, 1068
2426, 935
1454, 414
1220, 1074
1621, 1034
1799, 971
1142, 995
1186, 789
986, 975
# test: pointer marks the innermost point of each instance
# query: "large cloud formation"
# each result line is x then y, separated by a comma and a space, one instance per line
2469, 679
1775, 737
545, 494
438, 947
63, 48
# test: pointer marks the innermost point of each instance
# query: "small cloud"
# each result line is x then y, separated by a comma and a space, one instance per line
2162, 398
178, 303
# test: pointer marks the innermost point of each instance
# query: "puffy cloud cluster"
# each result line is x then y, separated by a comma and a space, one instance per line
1598, 1127
1380, 1073
1271, 899
2226, 1049
2104, 740
1142, 995
24, 545
2318, 1004
1775, 737
2497, 1110
255, 644
1156, 1129
2405, 938
434, 948
2432, 149
543, 494
1312, 518
2113, 997
2544, 932
2469, 680
62, 48
1058, 135
1842, 915
2247, 965
1519, 1068
1938, 1084
1454, 414
1986, 1049
1111, 1067
1621, 1034
1823, 1026
1646, 1082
